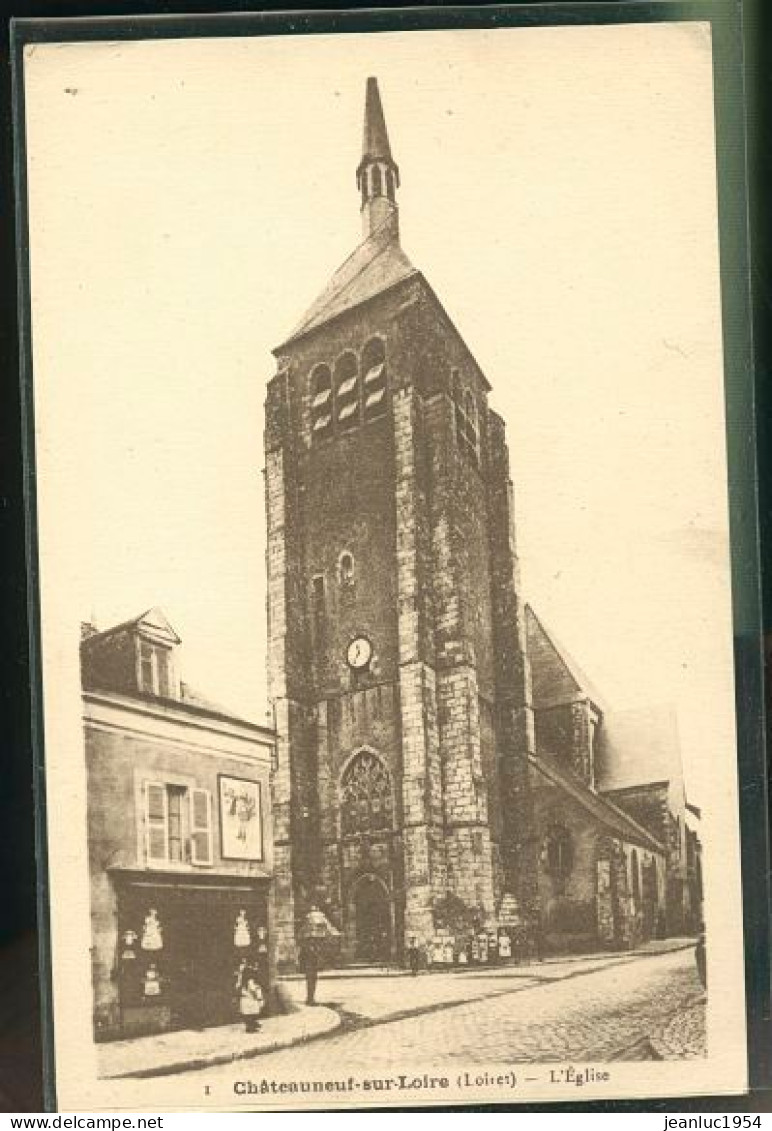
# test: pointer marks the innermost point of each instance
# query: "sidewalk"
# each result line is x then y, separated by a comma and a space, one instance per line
363, 996
524, 969
167, 1053
371, 995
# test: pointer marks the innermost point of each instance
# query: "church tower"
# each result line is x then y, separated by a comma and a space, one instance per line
397, 661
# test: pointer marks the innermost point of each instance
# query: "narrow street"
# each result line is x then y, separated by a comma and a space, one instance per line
588, 1014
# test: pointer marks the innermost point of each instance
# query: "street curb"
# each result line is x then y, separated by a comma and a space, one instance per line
330, 1018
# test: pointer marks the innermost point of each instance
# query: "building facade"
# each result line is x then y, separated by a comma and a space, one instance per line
179, 837
435, 756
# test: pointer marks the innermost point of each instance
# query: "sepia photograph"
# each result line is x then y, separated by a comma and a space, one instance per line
384, 560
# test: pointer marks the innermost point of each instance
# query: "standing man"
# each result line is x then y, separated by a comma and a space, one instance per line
413, 955
316, 928
309, 964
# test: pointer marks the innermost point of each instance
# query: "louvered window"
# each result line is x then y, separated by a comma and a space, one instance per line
467, 427
156, 823
321, 402
374, 380
200, 826
347, 391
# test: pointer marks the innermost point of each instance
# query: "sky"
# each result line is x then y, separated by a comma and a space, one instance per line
188, 199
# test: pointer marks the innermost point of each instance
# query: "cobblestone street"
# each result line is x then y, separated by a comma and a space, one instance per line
595, 1013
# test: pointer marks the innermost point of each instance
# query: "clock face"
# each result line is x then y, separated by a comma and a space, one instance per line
359, 653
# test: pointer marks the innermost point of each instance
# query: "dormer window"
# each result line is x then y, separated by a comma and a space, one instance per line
154, 673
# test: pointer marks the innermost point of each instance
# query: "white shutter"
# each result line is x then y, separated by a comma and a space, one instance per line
200, 826
156, 823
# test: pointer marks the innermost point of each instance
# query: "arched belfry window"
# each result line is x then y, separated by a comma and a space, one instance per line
471, 420
321, 402
390, 184
366, 803
347, 391
467, 424
374, 381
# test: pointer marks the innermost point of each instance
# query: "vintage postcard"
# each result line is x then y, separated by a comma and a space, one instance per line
380, 481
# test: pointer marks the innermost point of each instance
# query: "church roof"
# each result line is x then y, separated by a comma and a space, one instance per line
556, 677
637, 746
603, 809
375, 266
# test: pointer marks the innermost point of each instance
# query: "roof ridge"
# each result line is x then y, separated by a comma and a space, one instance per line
586, 796
575, 670
346, 277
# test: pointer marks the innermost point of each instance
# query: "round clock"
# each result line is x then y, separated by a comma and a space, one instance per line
359, 653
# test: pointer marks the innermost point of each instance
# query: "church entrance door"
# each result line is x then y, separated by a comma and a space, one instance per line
373, 920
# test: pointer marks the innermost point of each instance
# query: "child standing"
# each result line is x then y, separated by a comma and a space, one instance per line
251, 1000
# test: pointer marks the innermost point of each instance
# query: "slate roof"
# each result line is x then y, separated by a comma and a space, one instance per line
601, 808
638, 746
375, 137
375, 266
555, 675
154, 619
189, 697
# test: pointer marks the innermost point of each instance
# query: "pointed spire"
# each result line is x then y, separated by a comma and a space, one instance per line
377, 172
375, 139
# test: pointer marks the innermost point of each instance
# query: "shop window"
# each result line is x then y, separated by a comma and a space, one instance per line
366, 795
321, 402
178, 824
154, 673
559, 852
347, 391
374, 381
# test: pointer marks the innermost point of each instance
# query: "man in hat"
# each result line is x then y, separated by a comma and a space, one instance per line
314, 931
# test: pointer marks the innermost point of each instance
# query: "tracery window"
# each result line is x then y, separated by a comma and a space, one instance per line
374, 369
366, 797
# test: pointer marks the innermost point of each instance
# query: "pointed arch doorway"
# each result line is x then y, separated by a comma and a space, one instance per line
372, 920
